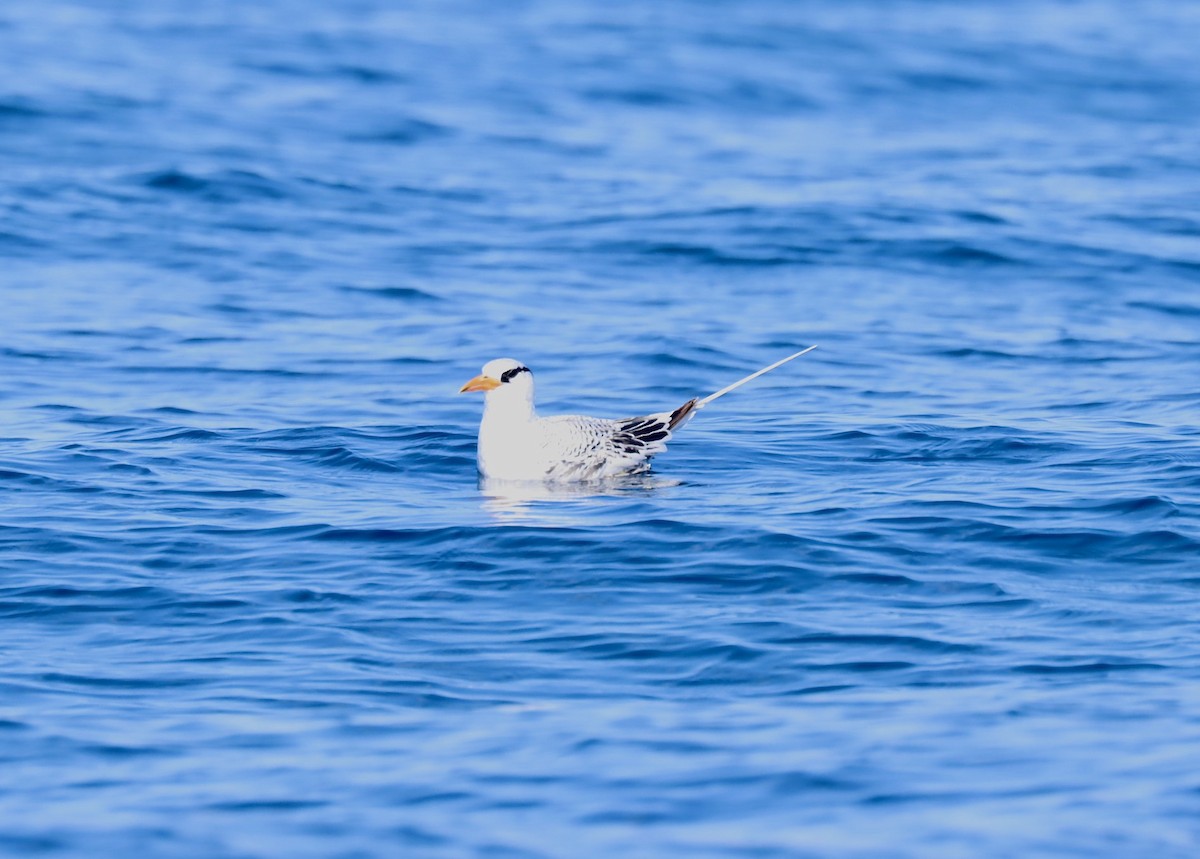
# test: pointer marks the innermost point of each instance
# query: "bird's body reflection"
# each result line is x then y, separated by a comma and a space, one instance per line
523, 498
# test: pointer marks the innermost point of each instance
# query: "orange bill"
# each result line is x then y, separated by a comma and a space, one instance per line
479, 383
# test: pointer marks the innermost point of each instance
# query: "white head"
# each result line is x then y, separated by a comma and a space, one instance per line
503, 379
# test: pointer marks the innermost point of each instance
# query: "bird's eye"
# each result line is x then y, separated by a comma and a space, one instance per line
507, 375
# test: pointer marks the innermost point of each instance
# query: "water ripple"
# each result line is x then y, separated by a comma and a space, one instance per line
927, 593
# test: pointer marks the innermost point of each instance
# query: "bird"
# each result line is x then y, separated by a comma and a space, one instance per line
515, 444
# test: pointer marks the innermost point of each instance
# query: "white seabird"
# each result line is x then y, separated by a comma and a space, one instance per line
516, 444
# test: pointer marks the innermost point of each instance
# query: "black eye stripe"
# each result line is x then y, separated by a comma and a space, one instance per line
507, 375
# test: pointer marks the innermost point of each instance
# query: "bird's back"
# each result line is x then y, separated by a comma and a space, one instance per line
584, 448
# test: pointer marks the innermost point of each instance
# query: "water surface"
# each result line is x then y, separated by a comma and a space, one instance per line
930, 591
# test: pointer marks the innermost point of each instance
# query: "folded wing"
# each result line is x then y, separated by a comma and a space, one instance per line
591, 448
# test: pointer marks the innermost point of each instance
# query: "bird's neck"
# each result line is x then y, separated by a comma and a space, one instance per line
511, 408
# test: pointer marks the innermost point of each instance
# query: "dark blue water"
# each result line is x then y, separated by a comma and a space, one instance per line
931, 591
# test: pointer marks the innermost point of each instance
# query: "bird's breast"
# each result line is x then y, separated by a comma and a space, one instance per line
509, 449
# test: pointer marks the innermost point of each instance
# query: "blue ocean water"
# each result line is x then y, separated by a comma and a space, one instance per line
930, 591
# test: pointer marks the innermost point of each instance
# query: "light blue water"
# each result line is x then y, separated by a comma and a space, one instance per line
930, 591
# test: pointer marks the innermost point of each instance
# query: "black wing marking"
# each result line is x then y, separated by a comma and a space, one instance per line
681, 415
648, 435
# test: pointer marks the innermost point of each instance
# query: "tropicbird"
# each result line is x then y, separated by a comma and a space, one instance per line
516, 444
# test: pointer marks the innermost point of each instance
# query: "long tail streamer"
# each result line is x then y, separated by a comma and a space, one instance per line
702, 403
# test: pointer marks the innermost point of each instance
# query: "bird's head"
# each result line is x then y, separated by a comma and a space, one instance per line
503, 373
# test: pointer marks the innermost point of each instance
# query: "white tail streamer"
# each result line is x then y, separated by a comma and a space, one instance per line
702, 403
